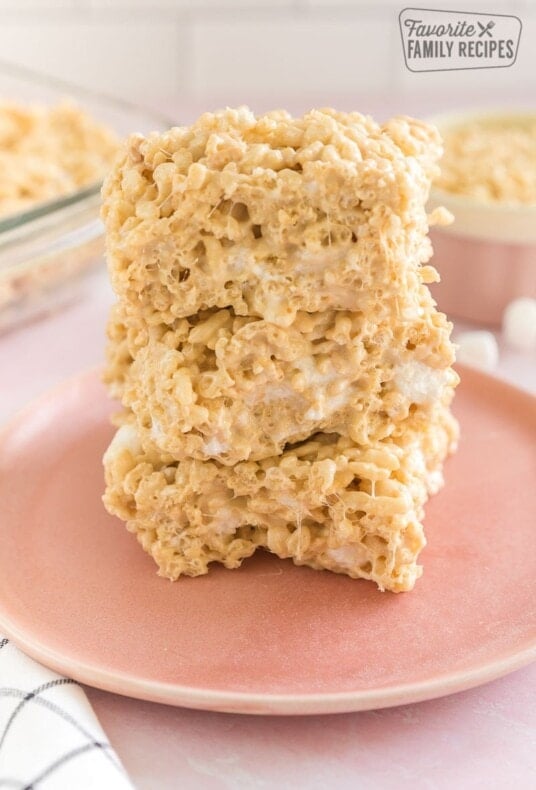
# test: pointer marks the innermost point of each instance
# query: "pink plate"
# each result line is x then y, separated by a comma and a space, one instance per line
78, 594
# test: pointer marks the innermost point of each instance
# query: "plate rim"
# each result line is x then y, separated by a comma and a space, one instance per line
260, 703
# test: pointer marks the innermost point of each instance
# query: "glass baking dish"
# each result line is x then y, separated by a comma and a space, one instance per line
48, 251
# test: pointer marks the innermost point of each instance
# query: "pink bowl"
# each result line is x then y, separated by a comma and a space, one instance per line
488, 256
480, 278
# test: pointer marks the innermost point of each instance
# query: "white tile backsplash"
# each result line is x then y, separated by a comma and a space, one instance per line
133, 59
22, 7
299, 56
196, 6
232, 50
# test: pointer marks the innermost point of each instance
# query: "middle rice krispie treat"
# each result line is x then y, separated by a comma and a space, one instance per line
284, 374
217, 385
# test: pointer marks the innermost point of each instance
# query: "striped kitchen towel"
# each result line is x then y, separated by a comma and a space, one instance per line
50, 738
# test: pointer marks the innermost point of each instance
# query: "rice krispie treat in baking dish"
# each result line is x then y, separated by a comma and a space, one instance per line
47, 152
284, 375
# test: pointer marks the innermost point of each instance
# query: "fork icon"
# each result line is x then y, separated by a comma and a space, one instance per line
486, 28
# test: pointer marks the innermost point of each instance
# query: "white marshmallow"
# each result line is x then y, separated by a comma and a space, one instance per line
213, 446
418, 382
519, 323
477, 350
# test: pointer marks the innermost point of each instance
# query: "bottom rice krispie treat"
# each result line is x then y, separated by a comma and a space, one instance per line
325, 502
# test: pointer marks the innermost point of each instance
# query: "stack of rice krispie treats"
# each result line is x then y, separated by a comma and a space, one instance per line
284, 376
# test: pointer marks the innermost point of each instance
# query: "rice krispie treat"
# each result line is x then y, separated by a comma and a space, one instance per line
233, 388
284, 375
325, 502
47, 152
491, 159
271, 215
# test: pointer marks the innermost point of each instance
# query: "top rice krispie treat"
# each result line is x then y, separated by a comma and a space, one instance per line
271, 215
